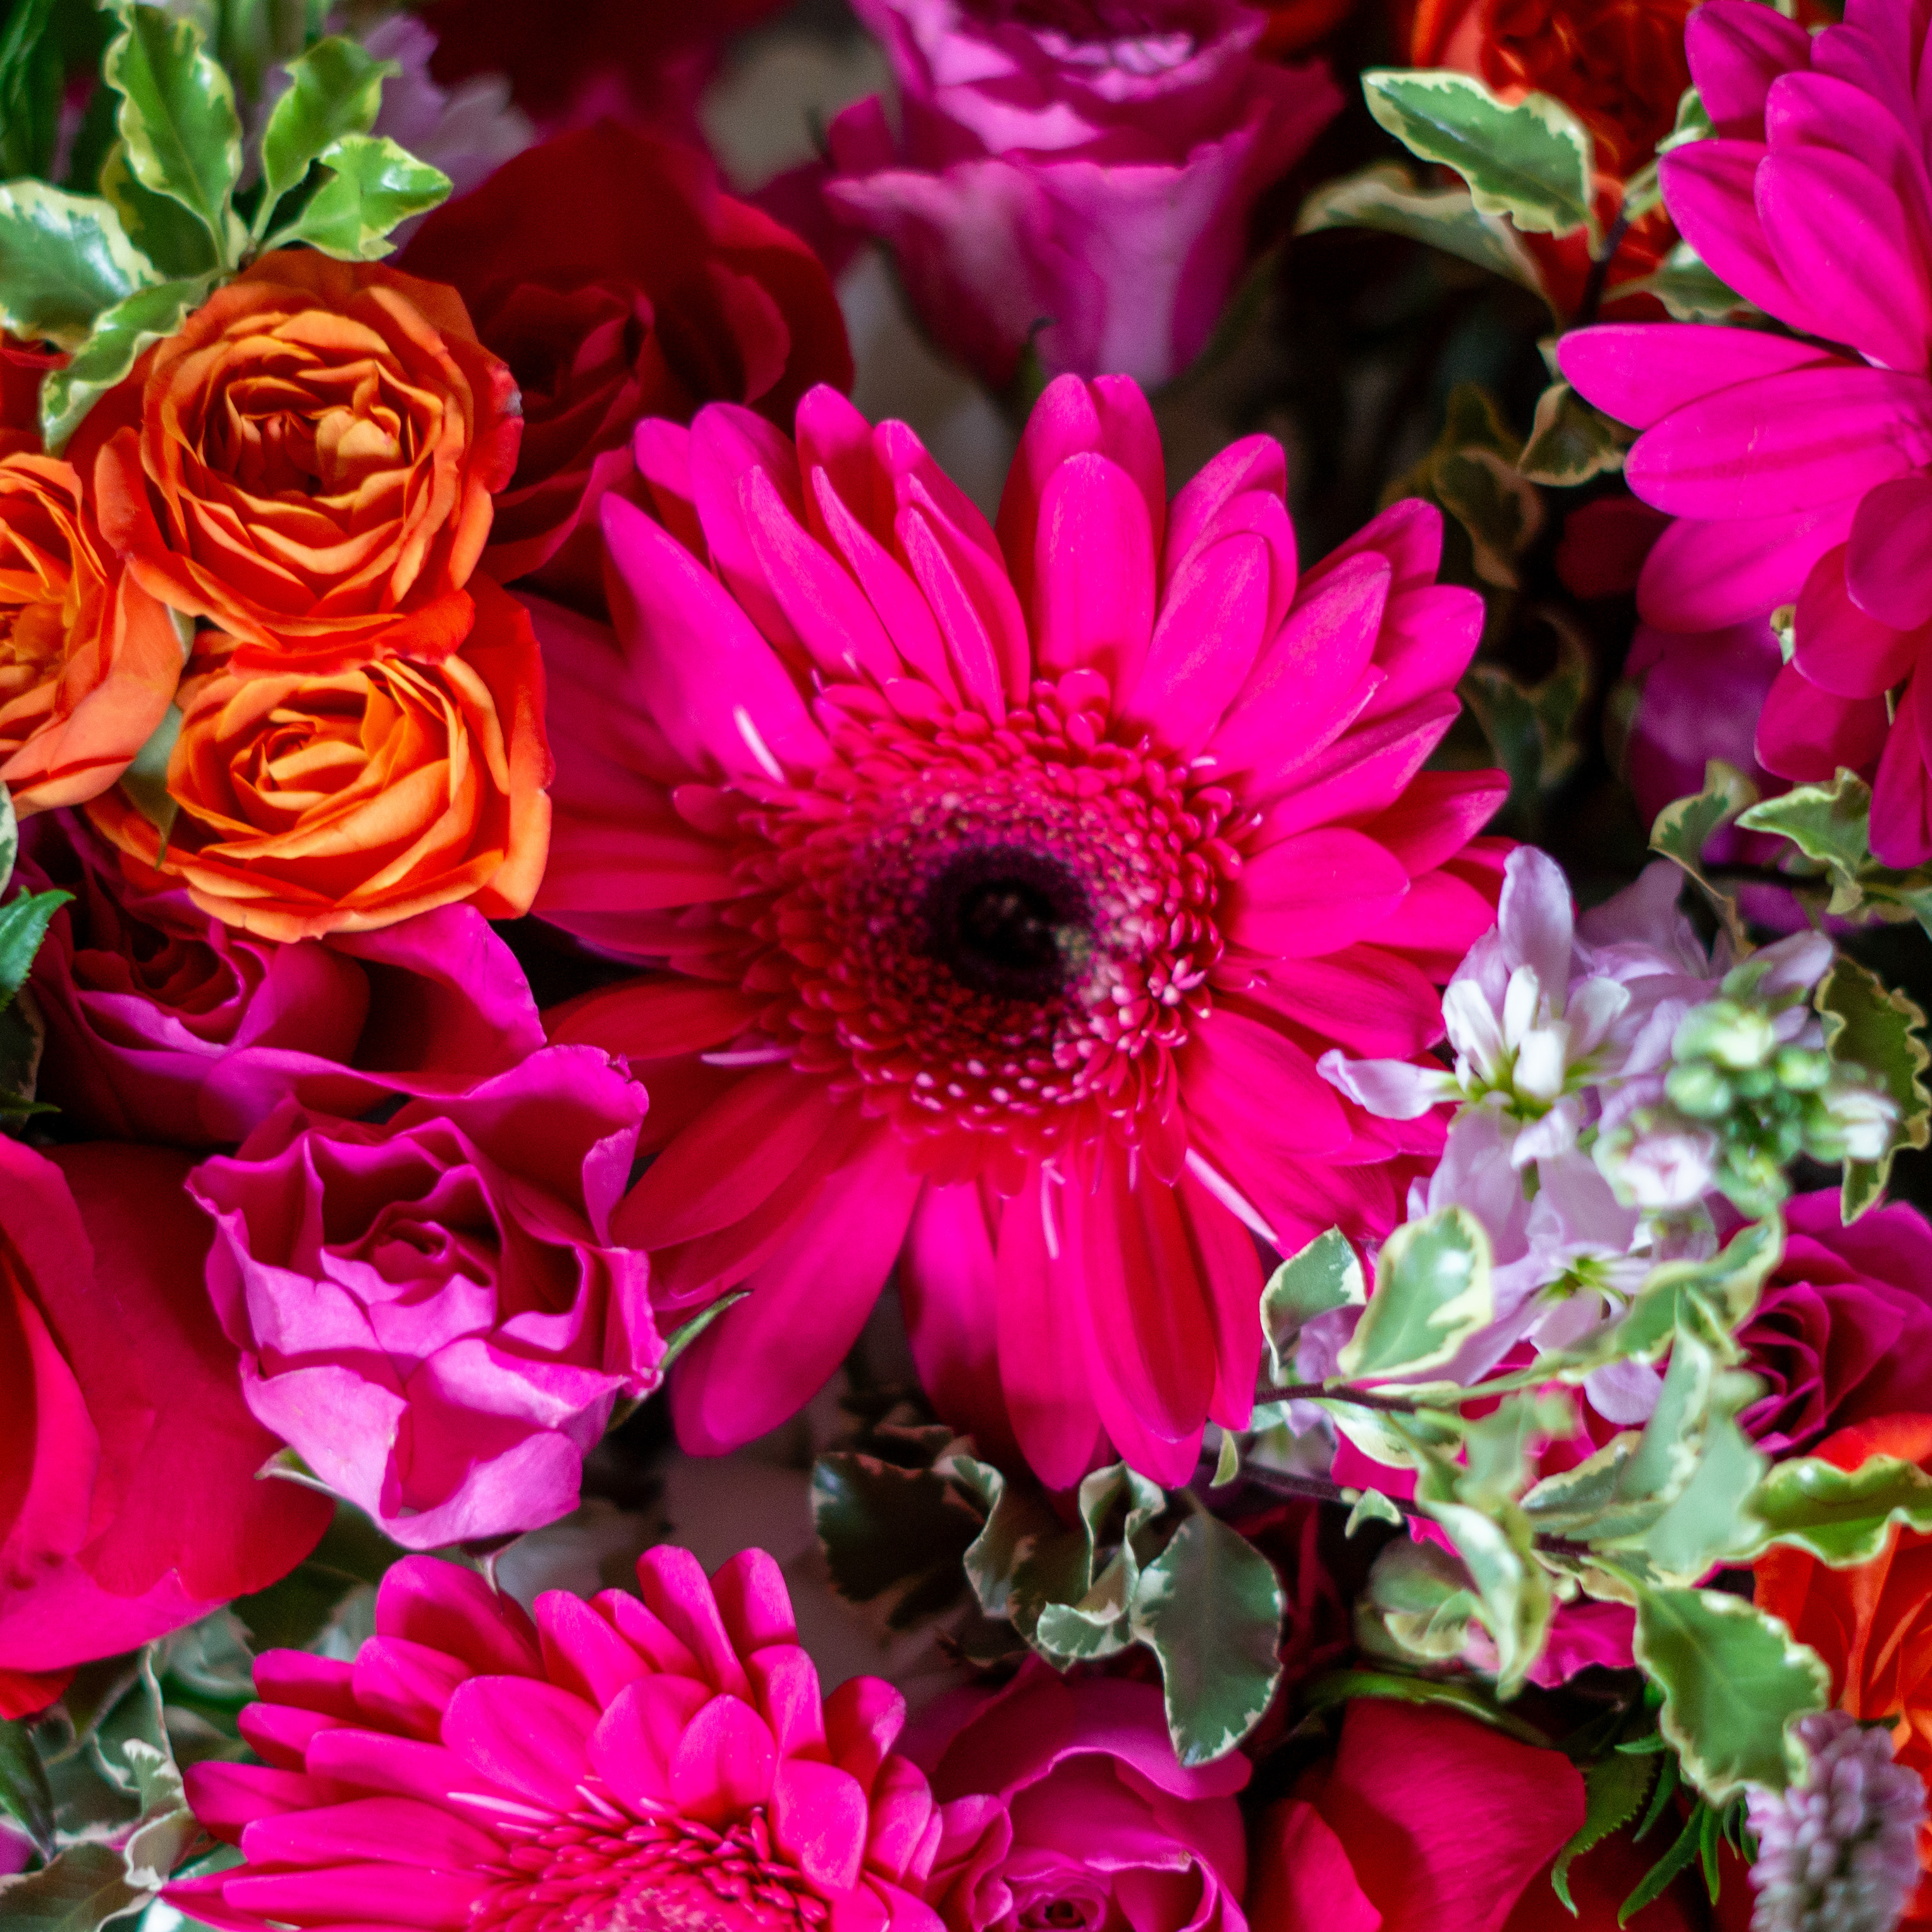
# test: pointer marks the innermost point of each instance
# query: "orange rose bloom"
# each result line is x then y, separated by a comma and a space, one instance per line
342, 801
309, 463
1872, 1624
89, 660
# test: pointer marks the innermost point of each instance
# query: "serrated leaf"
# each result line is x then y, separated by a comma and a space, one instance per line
1570, 441
23, 925
1432, 1292
1614, 1787
1660, 1877
1842, 1516
334, 89
1685, 826
1734, 1681
885, 1529
1531, 159
1210, 1606
24, 1795
121, 334
1323, 1276
1385, 198
1883, 1032
178, 119
373, 184
64, 258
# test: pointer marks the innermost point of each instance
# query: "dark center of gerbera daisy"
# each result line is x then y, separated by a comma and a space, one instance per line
1009, 922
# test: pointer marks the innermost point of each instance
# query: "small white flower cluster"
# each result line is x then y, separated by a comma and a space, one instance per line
1838, 1852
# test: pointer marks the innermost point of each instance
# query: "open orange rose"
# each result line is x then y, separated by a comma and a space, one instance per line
1872, 1623
309, 463
89, 660
342, 801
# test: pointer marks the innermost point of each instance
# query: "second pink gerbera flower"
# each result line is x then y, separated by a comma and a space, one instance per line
1006, 888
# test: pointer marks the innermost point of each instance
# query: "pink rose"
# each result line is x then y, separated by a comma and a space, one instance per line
129, 1504
164, 1025
1088, 1818
1090, 166
431, 1311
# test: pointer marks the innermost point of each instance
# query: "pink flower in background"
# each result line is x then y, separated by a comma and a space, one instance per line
129, 1501
433, 1312
661, 1763
164, 1025
1008, 887
1088, 167
1799, 474
1096, 1823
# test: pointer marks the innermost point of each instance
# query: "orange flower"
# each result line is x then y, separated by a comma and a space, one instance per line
309, 463
1872, 1624
89, 660
349, 800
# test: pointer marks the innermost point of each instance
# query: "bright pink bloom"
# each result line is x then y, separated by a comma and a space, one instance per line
656, 1765
1096, 1823
1088, 167
1009, 887
1800, 474
433, 1311
164, 1025
129, 1501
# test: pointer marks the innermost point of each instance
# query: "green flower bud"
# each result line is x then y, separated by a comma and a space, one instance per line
1723, 1031
1699, 1090
1803, 1069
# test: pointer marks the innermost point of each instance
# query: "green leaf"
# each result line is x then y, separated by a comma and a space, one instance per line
287, 1615
1472, 1700
1865, 1026
64, 258
178, 119
1421, 1597
1533, 730
1734, 1680
1210, 1606
175, 241
31, 74
681, 1337
1711, 1519
1432, 1292
1830, 824
1501, 512
1657, 1880
1324, 1277
1570, 441
1514, 1600
1018, 1521
1081, 1614
374, 185
1693, 122
23, 925
24, 1795
1685, 826
1532, 161
121, 334
1385, 198
1842, 1516
886, 1529
1614, 1787
84, 1887
9, 836
335, 88
1689, 291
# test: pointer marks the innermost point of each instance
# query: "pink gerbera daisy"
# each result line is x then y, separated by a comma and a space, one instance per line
1800, 474
659, 1766
1008, 888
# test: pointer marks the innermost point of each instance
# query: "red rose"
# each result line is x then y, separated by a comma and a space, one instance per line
609, 272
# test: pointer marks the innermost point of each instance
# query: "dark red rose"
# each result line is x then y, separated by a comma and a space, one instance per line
618, 281
22, 370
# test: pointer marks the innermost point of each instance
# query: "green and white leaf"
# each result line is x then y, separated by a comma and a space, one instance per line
24, 1795
1883, 1032
1570, 441
1323, 1276
175, 241
121, 335
373, 185
64, 258
335, 89
1689, 291
1842, 1516
1433, 1293
1686, 826
1513, 1602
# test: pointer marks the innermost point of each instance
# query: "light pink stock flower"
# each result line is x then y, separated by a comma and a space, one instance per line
1090, 167
1800, 474
655, 1764
1010, 886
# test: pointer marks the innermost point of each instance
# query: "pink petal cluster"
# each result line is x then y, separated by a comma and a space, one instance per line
1005, 887
1076, 176
1800, 474
433, 1312
164, 1025
658, 1763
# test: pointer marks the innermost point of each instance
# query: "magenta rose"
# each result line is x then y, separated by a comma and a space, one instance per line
129, 1501
164, 1025
1088, 1822
431, 1311
1088, 164
1843, 1331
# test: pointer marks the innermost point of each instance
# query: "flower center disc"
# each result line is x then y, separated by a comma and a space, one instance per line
1009, 922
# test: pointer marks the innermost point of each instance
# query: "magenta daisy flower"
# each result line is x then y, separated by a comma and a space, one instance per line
652, 1764
1798, 473
1007, 889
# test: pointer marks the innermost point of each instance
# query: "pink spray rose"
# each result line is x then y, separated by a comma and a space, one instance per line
1002, 889
1799, 474
1096, 1824
164, 1025
619, 1763
1083, 163
432, 1311
129, 1501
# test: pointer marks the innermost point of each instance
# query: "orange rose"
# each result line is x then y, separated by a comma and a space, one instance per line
89, 660
309, 463
1872, 1623
349, 800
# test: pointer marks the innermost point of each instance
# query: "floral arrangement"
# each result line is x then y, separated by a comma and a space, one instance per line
1014, 1025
